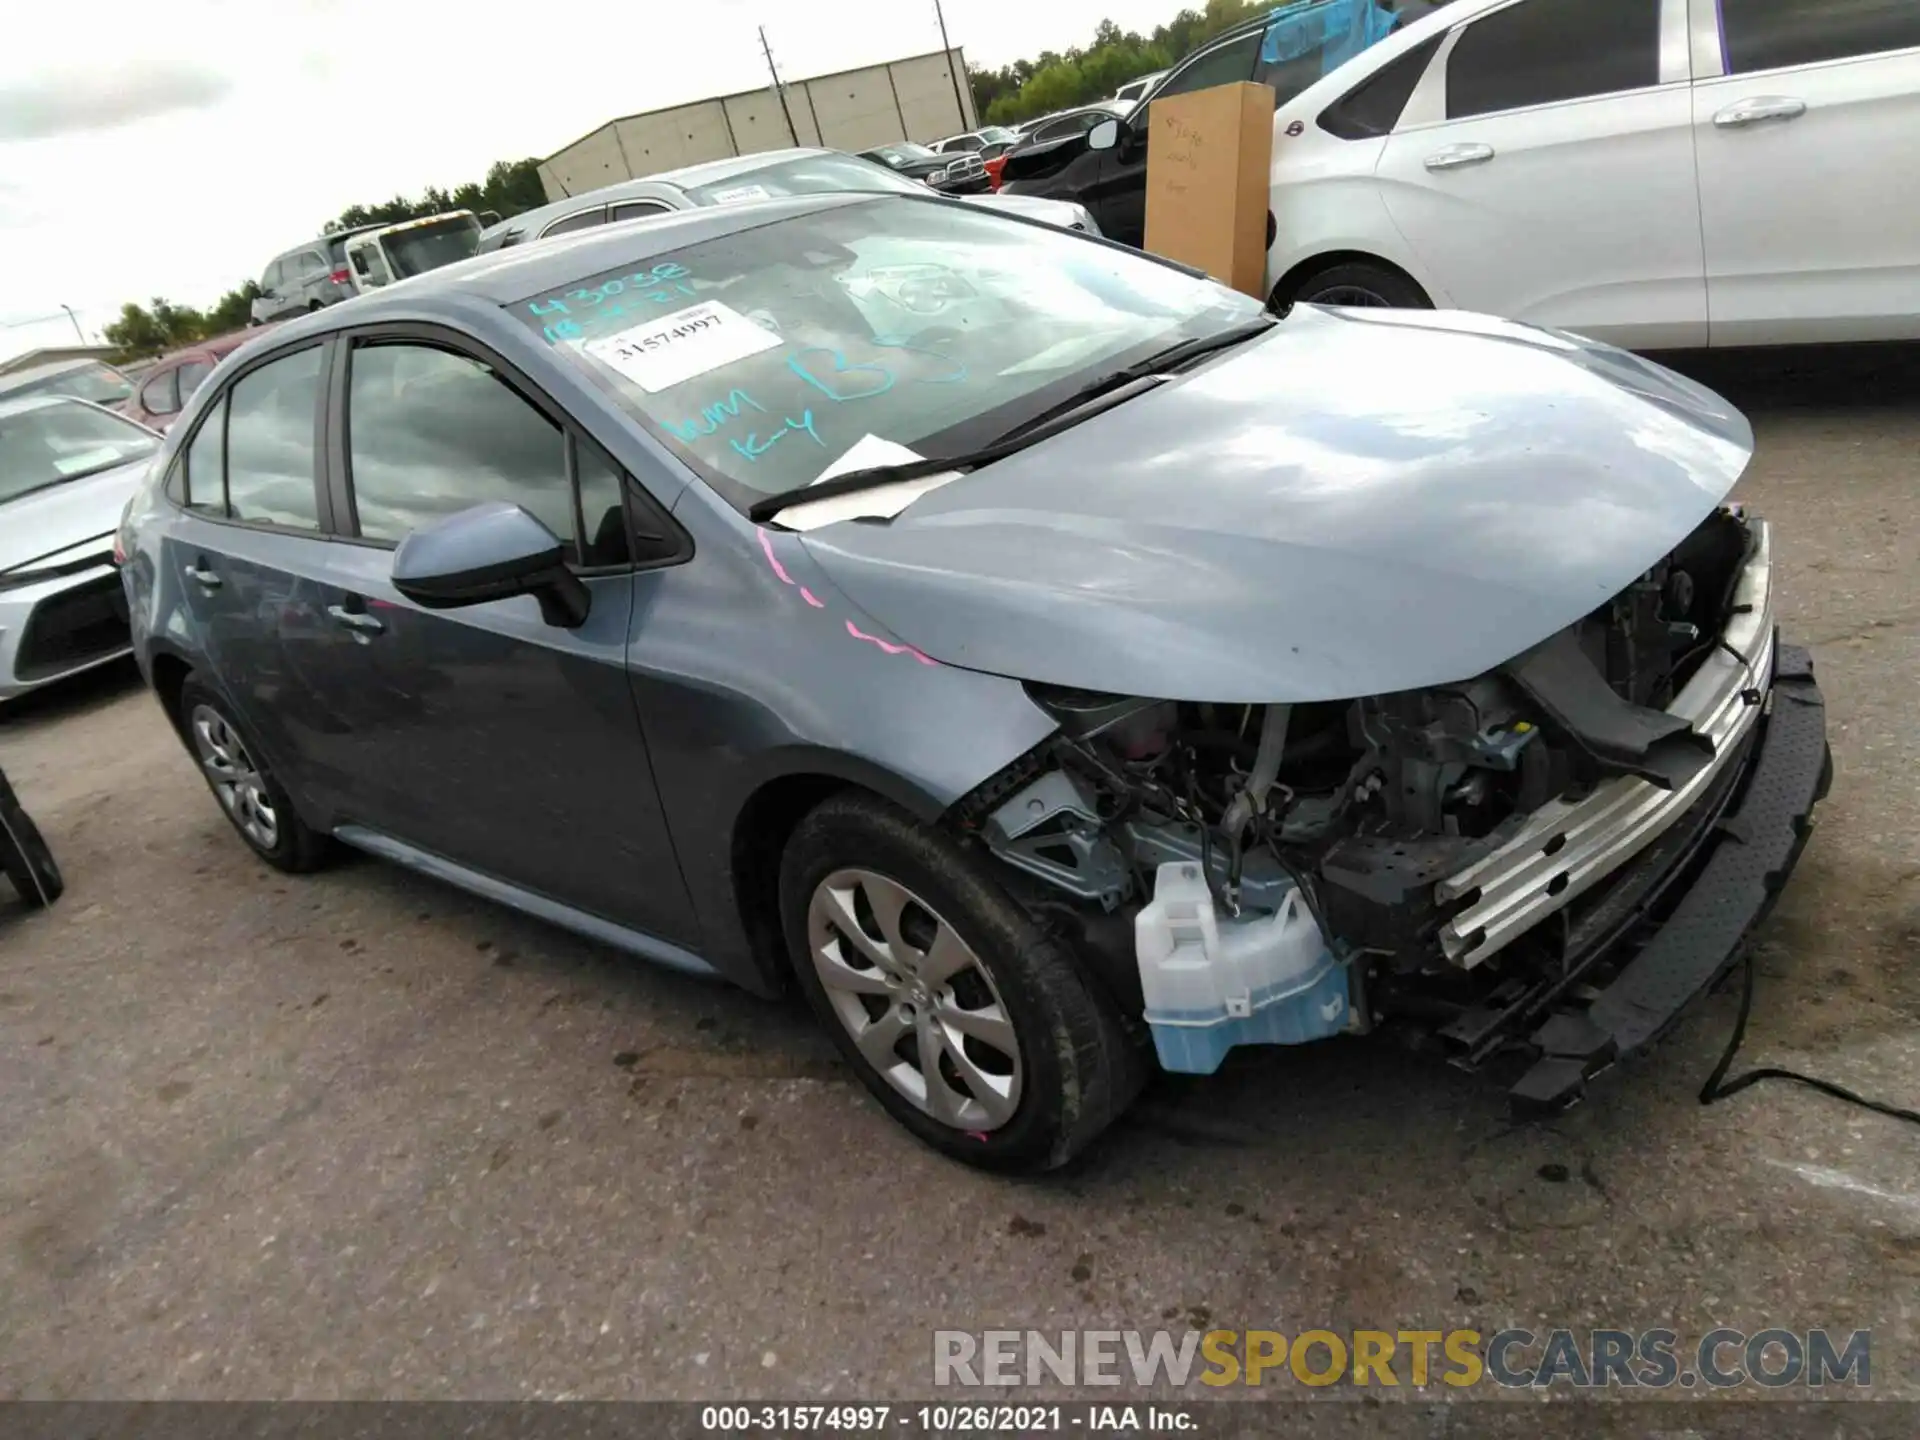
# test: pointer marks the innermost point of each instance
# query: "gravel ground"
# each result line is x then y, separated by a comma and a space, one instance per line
357, 1135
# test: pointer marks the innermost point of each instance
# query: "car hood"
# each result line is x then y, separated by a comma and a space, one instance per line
46, 522
1355, 503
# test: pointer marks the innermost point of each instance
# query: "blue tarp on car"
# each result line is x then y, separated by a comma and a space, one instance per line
1337, 29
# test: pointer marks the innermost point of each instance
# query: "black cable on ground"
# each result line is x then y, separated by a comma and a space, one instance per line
1718, 1087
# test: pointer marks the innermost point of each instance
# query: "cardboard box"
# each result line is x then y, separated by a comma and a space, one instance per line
1209, 157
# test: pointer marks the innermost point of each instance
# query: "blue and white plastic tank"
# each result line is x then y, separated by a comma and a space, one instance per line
1212, 983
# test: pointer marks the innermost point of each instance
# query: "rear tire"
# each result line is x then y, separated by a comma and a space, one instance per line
1358, 283
25, 858
248, 792
905, 945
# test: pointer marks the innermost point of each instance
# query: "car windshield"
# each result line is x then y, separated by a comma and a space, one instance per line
421, 248
906, 154
998, 135
808, 175
99, 383
767, 355
47, 444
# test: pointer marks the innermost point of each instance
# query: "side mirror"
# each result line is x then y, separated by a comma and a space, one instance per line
490, 552
1104, 136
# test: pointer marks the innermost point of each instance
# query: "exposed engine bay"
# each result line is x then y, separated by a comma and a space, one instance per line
1289, 871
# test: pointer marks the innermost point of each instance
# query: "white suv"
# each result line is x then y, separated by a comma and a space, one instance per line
1655, 173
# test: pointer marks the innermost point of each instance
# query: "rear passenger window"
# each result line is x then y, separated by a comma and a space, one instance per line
1372, 108
270, 450
585, 220
157, 395
1774, 34
1541, 52
431, 433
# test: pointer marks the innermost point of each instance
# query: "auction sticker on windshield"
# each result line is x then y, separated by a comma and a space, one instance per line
735, 193
662, 353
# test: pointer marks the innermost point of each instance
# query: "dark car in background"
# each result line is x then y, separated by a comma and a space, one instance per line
1104, 165
168, 383
961, 174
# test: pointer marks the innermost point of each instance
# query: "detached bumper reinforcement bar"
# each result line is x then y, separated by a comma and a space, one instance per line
1567, 848
1709, 929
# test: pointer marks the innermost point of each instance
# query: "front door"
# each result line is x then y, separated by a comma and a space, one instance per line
1808, 130
485, 735
1551, 179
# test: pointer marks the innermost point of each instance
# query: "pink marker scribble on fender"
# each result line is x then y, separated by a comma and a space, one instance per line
766, 548
774, 560
891, 649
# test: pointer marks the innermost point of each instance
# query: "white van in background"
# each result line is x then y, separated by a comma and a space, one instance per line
381, 256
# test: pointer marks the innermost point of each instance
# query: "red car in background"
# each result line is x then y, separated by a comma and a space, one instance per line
170, 381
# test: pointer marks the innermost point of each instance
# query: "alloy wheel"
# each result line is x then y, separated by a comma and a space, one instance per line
1349, 295
914, 997
236, 780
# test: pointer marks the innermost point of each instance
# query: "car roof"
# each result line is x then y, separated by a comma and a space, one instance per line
642, 187
21, 404
14, 379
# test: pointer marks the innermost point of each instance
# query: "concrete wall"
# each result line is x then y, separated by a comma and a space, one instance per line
911, 99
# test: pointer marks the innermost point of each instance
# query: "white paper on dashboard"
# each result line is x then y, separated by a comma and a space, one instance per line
882, 502
738, 192
659, 354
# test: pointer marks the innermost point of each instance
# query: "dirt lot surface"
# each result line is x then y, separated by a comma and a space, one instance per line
358, 1135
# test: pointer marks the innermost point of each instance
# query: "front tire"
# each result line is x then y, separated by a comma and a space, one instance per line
250, 795
1358, 283
969, 1024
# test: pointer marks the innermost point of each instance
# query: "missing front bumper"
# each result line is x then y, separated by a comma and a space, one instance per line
1748, 853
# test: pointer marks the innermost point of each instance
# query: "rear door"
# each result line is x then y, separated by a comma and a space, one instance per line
254, 544
485, 735
1544, 170
1807, 122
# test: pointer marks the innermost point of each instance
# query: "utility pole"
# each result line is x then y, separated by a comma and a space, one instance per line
76, 323
779, 90
946, 47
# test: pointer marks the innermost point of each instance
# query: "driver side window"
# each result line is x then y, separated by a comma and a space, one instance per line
431, 433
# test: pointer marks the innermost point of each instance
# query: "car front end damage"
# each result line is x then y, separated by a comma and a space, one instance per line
1536, 867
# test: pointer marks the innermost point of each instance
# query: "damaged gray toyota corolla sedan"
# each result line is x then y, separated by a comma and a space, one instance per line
1052, 663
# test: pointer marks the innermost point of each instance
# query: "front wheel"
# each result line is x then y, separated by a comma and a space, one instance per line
1360, 284
975, 1029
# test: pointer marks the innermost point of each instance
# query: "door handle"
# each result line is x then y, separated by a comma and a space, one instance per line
357, 621
1760, 109
1456, 156
203, 577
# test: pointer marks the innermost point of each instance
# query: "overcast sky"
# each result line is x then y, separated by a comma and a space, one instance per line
175, 149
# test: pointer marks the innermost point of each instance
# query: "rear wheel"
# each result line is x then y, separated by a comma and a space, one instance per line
254, 800
1358, 283
974, 1028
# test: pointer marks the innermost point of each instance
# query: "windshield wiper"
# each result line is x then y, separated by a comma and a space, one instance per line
1109, 390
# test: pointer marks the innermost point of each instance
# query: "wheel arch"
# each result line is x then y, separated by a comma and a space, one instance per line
766, 819
1289, 284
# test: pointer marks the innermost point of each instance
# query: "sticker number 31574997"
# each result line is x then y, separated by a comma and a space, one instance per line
660, 354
